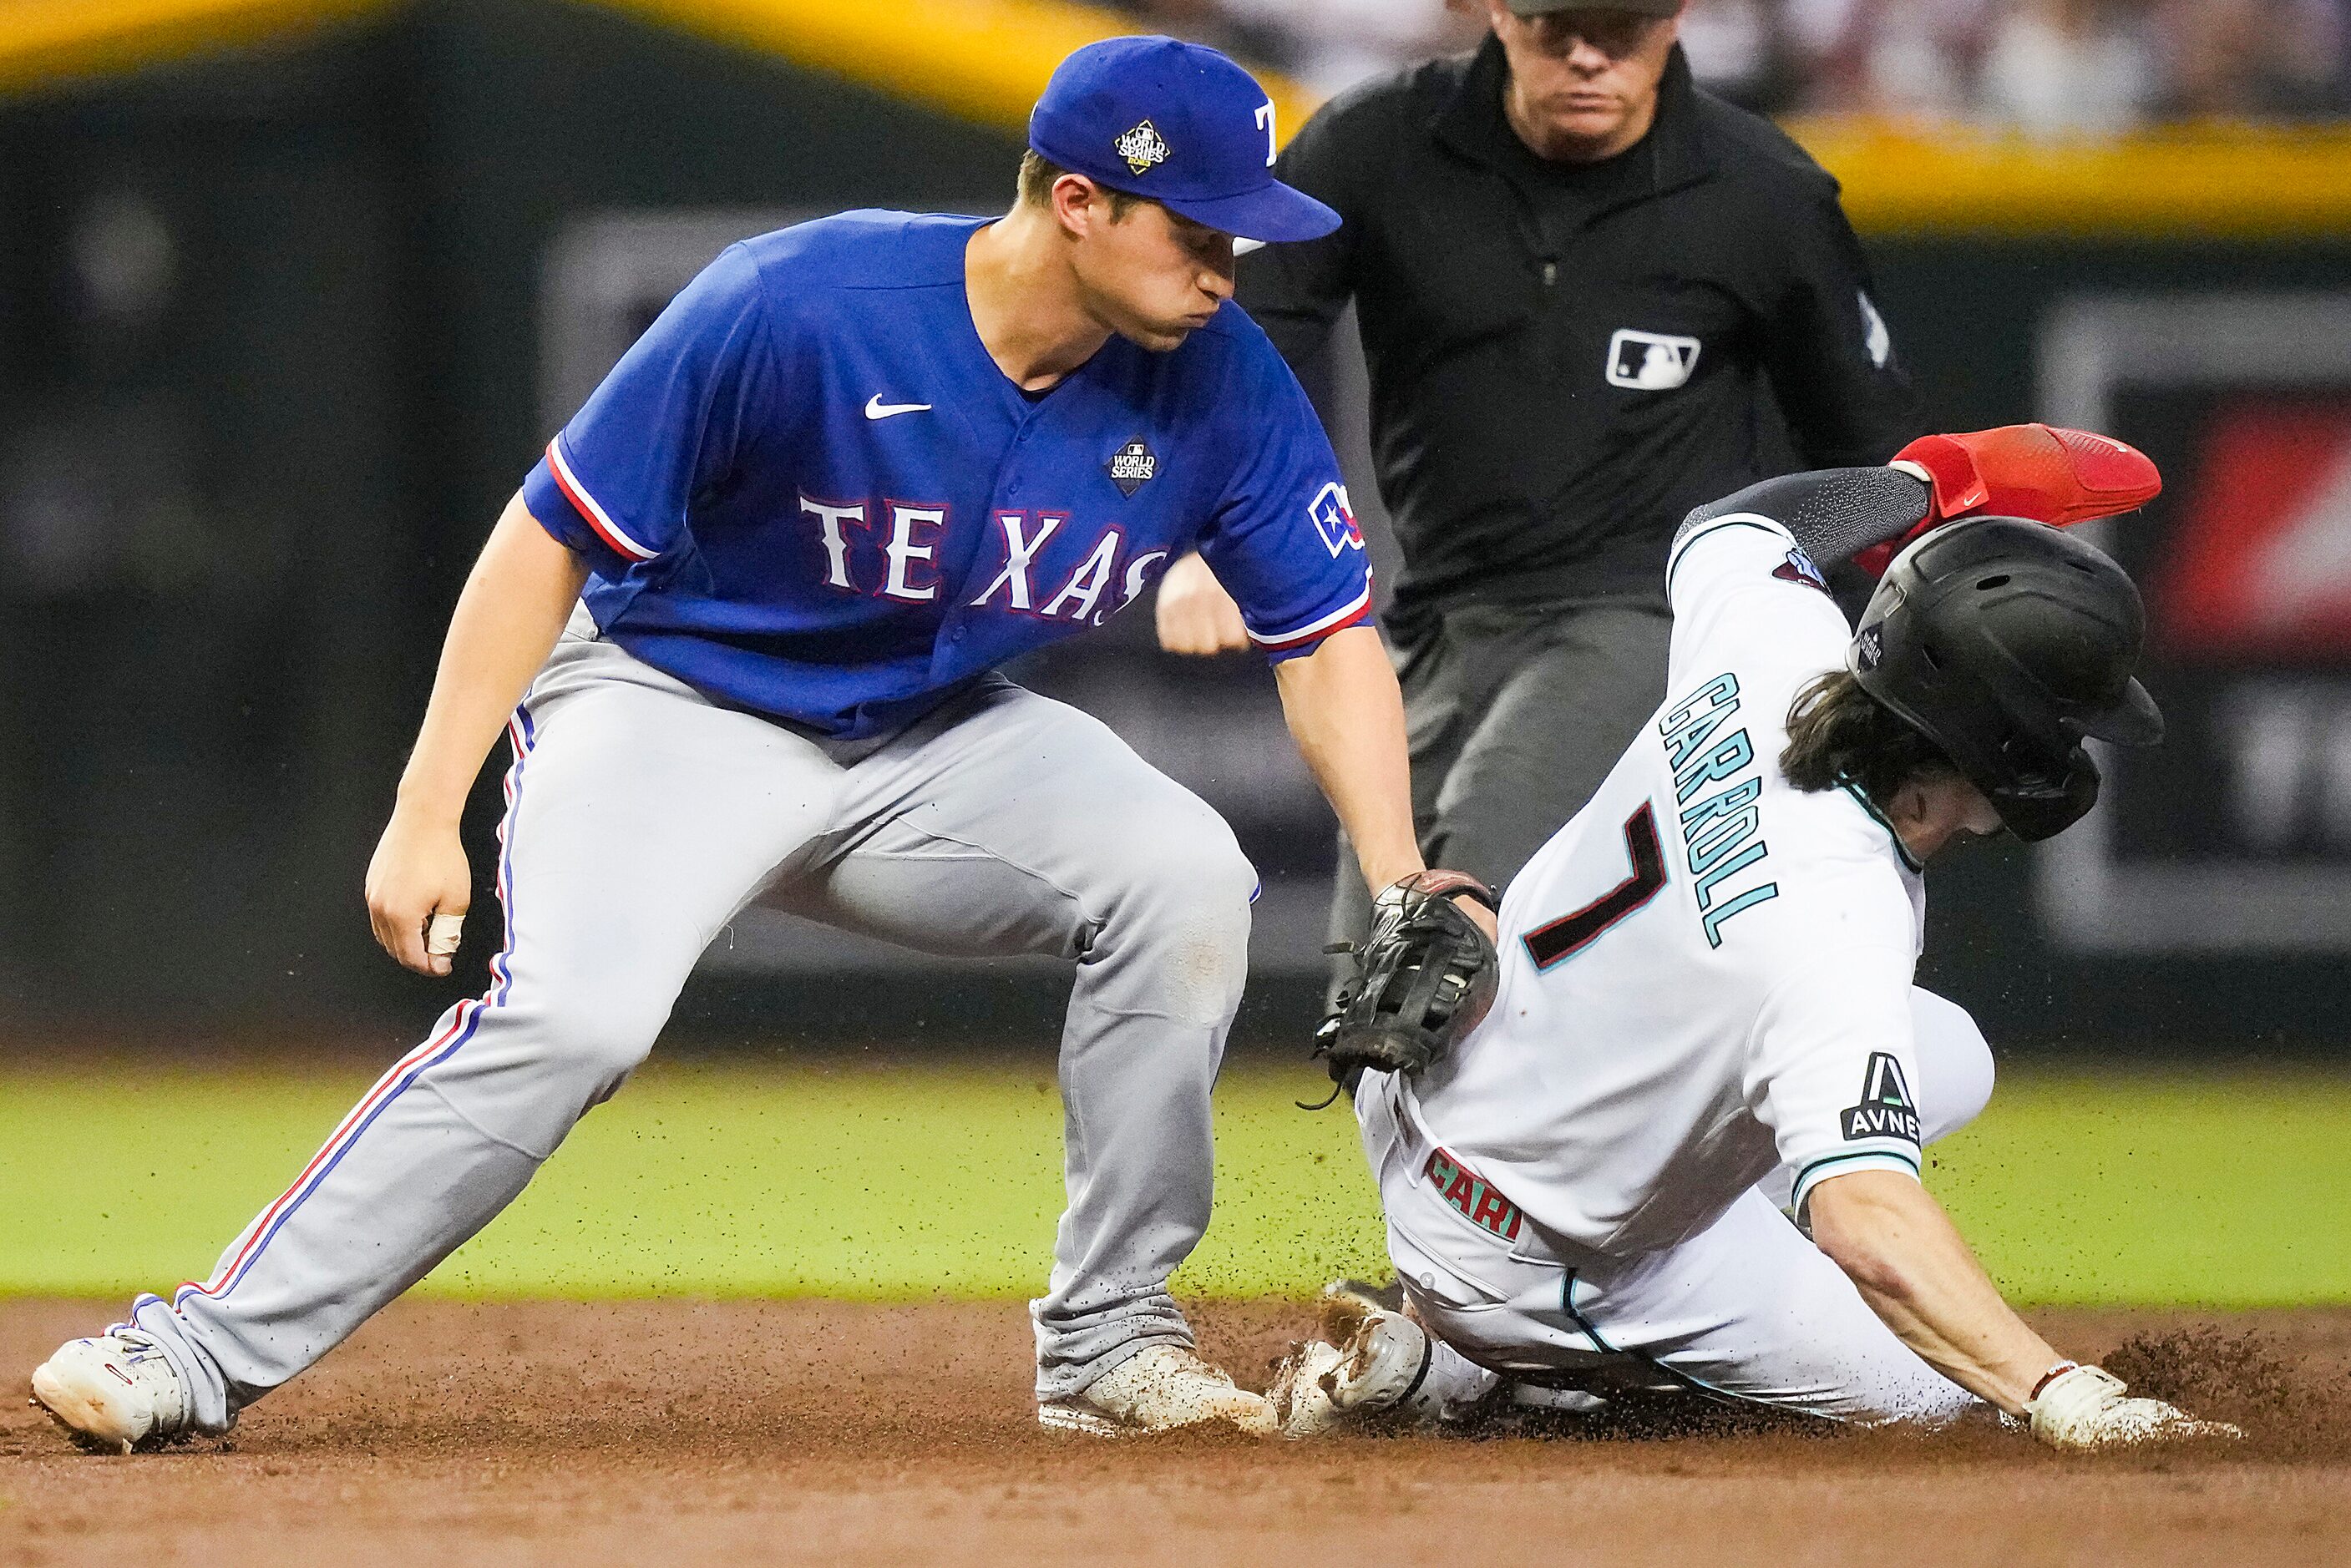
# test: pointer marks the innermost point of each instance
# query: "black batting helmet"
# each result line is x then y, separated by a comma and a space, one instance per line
2006, 642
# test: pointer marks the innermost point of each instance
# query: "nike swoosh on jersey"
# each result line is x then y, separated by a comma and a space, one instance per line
875, 408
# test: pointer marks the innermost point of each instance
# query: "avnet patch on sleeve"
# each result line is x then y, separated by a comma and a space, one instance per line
1885, 1109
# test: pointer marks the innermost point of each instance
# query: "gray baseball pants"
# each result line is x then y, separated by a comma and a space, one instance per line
1515, 714
641, 818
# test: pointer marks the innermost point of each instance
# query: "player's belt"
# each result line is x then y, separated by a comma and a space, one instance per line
1474, 1198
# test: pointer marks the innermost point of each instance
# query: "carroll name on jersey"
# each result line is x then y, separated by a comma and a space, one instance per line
1714, 976
808, 491
1721, 832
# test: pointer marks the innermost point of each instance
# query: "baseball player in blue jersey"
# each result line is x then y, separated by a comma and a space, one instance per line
854, 467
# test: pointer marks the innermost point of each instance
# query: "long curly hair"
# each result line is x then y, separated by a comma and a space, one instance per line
1840, 734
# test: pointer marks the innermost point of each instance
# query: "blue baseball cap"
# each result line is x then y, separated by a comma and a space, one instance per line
1178, 124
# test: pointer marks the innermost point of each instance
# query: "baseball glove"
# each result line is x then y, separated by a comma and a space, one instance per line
1422, 979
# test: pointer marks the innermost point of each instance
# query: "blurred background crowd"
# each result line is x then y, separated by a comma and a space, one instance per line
2043, 68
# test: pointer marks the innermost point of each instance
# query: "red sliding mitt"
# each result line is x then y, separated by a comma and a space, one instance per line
2045, 473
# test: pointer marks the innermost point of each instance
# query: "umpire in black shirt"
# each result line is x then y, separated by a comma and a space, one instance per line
1592, 298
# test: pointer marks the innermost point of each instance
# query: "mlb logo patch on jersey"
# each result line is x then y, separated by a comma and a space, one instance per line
1142, 148
1650, 361
1334, 516
1133, 466
1799, 568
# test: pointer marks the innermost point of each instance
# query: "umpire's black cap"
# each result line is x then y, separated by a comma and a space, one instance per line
2007, 642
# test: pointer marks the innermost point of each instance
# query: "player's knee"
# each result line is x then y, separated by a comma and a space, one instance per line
1954, 1065
1185, 900
602, 1034
1200, 878
1223, 884
1181, 865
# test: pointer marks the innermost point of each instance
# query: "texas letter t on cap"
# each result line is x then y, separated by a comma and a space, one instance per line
1177, 123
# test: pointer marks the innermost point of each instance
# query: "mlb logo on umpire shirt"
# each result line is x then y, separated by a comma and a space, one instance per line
1650, 361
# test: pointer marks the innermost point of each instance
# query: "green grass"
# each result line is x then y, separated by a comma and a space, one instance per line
905, 1182
2103, 1188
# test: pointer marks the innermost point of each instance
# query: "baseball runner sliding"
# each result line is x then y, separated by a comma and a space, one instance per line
1705, 1013
854, 467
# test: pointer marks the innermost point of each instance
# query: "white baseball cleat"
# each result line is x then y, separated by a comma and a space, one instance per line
116, 1392
1159, 1388
1373, 1362
1300, 1394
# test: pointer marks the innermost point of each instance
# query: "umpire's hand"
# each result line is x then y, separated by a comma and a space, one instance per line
1195, 614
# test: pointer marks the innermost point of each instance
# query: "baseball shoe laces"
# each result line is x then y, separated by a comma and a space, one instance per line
114, 1392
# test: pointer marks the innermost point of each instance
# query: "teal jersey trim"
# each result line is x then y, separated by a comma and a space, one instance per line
1591, 1333
1800, 1190
1878, 817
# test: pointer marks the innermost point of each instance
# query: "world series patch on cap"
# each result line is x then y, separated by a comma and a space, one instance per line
1177, 123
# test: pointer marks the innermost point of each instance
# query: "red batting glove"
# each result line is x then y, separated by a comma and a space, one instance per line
2046, 472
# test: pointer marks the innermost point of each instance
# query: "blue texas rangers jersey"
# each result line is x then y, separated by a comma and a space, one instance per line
808, 491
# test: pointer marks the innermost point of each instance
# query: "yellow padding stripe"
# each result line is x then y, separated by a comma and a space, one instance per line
46, 40
2233, 181
986, 60
982, 60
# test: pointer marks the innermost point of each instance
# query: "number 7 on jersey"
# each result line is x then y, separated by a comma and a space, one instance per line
1569, 935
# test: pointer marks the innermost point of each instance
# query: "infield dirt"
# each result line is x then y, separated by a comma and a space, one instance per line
662, 1432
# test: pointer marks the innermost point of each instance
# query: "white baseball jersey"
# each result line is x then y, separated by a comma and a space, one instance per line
1706, 972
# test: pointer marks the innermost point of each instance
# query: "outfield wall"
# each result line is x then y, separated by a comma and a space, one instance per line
281, 329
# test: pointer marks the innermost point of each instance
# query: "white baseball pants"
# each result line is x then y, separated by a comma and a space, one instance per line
1748, 1310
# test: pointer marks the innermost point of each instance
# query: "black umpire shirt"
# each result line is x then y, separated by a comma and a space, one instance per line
1566, 358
